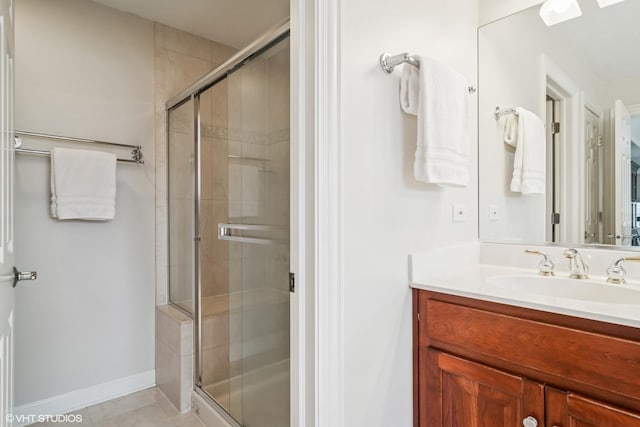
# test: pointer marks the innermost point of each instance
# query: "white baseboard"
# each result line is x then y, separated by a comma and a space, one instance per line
82, 398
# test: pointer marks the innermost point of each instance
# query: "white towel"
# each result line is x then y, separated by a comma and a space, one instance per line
410, 89
508, 127
83, 184
529, 171
439, 97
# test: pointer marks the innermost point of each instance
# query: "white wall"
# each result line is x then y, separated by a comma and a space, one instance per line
626, 90
83, 70
490, 10
386, 213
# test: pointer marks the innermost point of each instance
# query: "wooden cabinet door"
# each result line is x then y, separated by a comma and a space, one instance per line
460, 393
571, 410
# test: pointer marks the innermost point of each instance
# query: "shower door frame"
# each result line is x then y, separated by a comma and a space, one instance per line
192, 93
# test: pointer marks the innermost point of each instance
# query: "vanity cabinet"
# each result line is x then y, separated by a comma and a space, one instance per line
569, 409
484, 364
463, 393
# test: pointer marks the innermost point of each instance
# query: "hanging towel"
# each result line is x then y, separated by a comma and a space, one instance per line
410, 89
439, 97
83, 184
529, 170
508, 128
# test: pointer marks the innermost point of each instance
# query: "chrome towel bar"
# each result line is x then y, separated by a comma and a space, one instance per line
500, 112
136, 150
388, 63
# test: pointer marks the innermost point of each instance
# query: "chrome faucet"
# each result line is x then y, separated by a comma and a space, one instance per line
578, 269
616, 272
546, 266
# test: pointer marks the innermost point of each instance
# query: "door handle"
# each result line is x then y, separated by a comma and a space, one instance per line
24, 275
19, 276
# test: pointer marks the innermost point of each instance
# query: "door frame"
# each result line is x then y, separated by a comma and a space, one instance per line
563, 89
620, 214
599, 113
316, 212
552, 231
7, 293
634, 110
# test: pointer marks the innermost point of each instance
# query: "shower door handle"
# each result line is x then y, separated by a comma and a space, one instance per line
225, 232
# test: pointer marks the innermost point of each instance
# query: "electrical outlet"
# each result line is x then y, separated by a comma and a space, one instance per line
459, 213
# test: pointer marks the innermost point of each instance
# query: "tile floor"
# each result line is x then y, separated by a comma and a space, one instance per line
147, 408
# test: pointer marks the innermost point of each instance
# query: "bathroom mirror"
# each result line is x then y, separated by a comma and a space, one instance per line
581, 78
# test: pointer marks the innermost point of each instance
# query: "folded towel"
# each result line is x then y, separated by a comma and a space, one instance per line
529, 170
439, 97
410, 89
508, 126
83, 184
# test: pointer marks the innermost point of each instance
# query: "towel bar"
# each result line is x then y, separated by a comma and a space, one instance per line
388, 63
136, 150
499, 112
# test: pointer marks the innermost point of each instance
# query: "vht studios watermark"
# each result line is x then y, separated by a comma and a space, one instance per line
43, 418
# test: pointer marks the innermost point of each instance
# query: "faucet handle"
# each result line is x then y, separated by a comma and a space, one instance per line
616, 272
570, 253
546, 266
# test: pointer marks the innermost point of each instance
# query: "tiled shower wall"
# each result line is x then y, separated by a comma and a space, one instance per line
180, 58
259, 190
214, 190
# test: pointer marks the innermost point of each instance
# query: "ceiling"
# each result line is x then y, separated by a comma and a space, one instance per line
607, 38
232, 22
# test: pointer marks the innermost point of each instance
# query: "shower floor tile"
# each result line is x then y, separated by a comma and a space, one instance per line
145, 408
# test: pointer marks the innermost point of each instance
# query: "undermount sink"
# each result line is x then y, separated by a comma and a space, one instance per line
565, 288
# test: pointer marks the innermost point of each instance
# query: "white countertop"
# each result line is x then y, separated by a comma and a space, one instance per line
439, 272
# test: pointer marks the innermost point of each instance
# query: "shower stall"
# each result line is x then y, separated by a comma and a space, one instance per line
228, 198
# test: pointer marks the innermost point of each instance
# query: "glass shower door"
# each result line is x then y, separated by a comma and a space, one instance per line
181, 168
244, 252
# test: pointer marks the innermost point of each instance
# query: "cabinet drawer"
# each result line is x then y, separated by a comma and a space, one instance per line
608, 363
